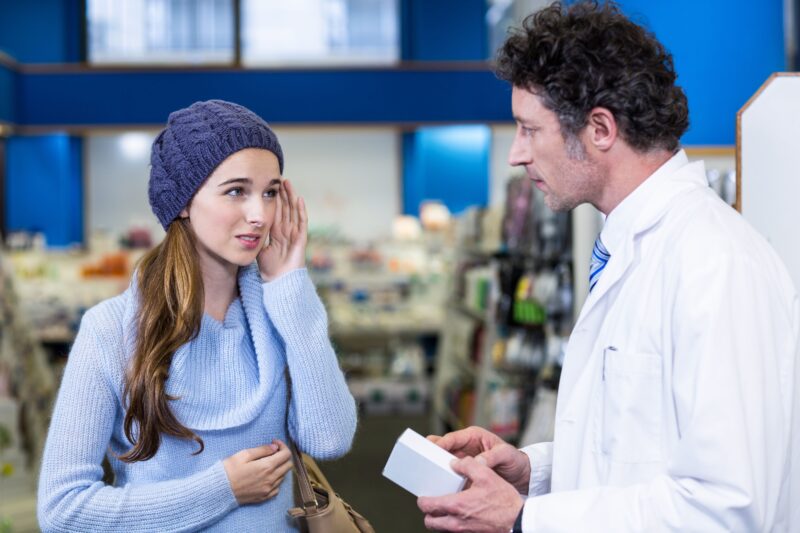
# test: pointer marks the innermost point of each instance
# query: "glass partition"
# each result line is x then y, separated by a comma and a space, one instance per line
160, 31
280, 33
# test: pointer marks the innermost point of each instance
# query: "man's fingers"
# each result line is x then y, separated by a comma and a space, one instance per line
470, 468
496, 455
437, 505
434, 438
471, 440
456, 440
442, 523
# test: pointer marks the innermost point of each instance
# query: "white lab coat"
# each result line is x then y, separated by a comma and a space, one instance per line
680, 380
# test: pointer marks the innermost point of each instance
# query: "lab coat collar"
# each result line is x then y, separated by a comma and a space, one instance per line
637, 213
623, 217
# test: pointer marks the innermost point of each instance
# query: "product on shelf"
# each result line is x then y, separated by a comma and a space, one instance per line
28, 380
504, 417
384, 304
518, 297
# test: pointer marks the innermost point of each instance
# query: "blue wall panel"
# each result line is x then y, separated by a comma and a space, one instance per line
443, 30
40, 31
371, 96
449, 163
44, 187
723, 51
8, 93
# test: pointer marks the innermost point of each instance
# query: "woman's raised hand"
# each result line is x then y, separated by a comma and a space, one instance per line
256, 474
288, 236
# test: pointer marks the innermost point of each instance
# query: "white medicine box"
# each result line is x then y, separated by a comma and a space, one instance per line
421, 467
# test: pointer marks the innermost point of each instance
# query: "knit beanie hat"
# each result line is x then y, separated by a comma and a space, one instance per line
196, 140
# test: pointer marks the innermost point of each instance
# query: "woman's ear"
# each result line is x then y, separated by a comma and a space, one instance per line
601, 128
184, 213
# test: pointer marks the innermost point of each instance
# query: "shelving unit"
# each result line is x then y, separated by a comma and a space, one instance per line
509, 313
27, 383
385, 314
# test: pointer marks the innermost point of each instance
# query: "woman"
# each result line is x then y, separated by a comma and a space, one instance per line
181, 380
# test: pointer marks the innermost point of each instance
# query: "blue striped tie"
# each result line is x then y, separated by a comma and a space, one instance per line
600, 257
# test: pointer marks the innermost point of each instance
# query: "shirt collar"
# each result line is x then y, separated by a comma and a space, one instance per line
621, 219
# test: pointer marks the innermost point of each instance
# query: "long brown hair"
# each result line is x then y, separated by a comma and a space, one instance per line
170, 310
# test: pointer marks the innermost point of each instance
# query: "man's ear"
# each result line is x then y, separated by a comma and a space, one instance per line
601, 129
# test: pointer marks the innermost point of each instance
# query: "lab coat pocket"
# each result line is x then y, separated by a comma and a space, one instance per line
631, 413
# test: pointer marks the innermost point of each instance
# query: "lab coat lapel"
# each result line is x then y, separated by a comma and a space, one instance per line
615, 269
584, 334
660, 197
593, 314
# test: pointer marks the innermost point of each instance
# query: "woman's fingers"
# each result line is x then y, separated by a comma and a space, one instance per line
279, 463
278, 213
303, 215
292, 201
285, 205
284, 469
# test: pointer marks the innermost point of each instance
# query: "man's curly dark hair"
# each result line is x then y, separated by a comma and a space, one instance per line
591, 55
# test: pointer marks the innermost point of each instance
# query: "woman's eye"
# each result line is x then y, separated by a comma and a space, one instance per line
235, 191
272, 193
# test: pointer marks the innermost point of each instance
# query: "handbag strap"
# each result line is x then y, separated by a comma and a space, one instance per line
303, 482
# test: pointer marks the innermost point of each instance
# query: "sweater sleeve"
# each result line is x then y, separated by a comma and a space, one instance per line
322, 416
72, 495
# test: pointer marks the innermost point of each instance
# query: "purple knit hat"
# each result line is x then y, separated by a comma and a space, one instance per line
196, 140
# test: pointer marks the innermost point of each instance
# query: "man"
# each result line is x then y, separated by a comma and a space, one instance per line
677, 398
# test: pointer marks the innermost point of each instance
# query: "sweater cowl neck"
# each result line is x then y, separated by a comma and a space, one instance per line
246, 318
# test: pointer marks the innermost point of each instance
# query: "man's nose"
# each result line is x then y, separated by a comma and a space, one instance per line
518, 154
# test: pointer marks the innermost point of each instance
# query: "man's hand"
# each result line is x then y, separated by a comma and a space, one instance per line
486, 447
489, 505
469, 442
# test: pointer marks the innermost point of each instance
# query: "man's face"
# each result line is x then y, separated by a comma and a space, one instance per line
561, 169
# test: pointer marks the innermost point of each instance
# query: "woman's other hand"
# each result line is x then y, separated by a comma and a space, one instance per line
286, 248
256, 474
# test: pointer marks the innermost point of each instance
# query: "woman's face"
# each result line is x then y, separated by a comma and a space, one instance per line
232, 212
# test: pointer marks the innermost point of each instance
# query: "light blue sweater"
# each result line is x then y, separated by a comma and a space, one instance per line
232, 392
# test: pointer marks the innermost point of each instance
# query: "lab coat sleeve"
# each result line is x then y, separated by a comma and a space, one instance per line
733, 365
541, 457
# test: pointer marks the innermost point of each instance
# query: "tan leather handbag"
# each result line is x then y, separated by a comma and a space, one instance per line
322, 511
